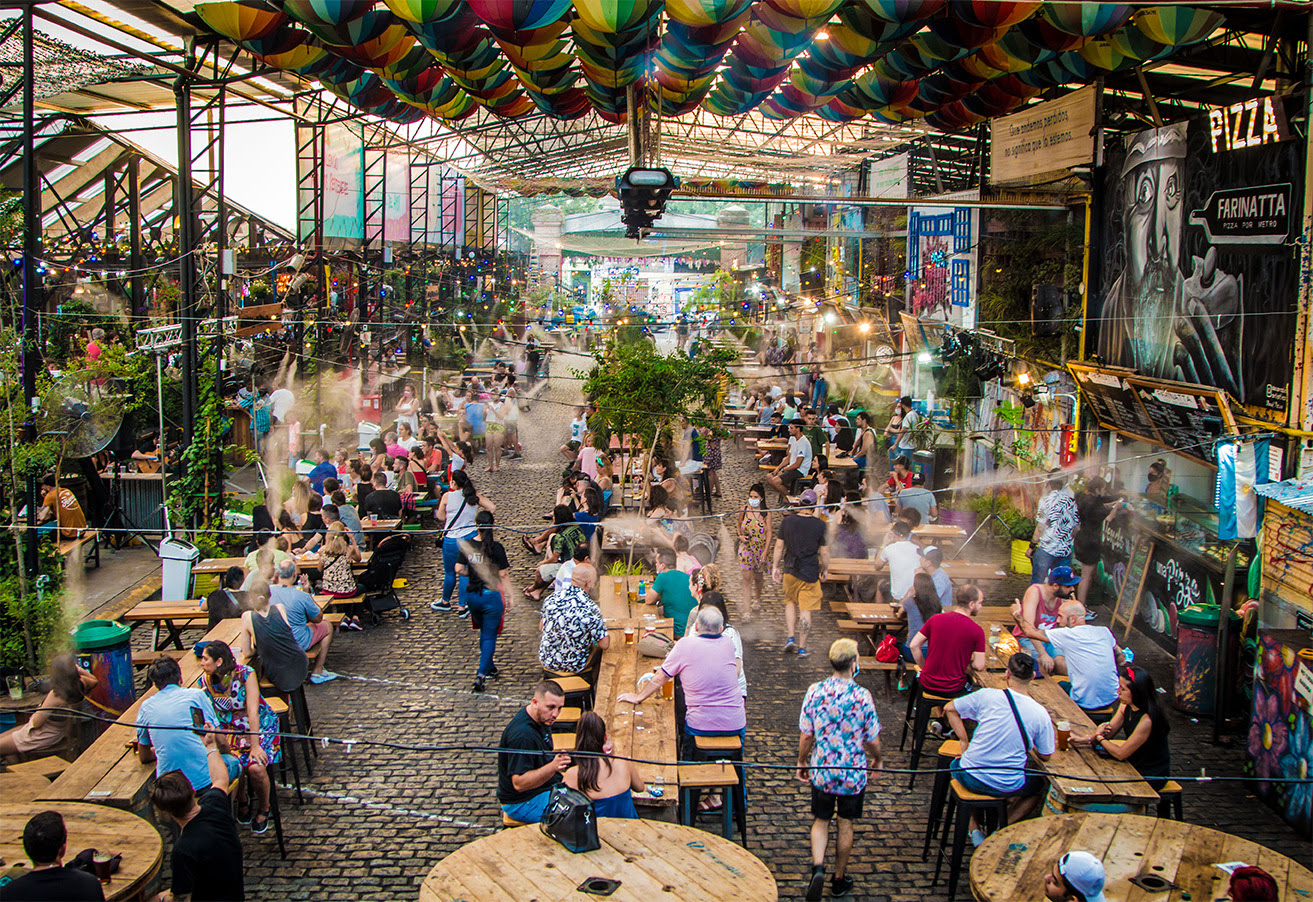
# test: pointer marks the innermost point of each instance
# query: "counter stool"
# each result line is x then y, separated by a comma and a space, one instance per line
708, 776
702, 489
962, 803
568, 718
564, 742
577, 689
242, 784
508, 821
919, 706
948, 750
1101, 715
299, 716
1169, 801
727, 748
279, 706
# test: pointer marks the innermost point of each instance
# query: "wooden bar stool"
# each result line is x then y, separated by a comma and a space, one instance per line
962, 803
242, 784
948, 750
919, 706
299, 720
508, 821
279, 707
568, 719
1169, 801
564, 742
721, 776
728, 748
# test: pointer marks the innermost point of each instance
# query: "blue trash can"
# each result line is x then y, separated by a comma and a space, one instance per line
104, 648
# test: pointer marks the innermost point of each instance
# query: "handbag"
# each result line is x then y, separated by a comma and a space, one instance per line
655, 645
571, 820
887, 652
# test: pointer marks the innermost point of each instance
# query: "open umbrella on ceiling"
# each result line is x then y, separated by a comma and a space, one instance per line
1085, 19
705, 12
422, 10
519, 15
898, 11
994, 13
616, 15
1177, 25
239, 20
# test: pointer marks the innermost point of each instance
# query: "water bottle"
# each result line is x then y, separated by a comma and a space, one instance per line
642, 592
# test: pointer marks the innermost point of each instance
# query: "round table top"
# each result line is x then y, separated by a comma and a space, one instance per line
651, 859
91, 827
1012, 862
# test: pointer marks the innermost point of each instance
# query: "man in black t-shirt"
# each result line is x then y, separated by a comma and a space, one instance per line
801, 563
526, 775
45, 840
207, 855
382, 502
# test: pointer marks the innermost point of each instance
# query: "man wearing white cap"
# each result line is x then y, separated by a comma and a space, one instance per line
1076, 877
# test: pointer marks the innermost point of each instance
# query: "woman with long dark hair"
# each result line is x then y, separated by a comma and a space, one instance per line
1146, 726
46, 727
919, 604
456, 511
609, 782
485, 585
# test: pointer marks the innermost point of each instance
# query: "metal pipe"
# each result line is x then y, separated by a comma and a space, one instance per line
872, 201
187, 246
32, 294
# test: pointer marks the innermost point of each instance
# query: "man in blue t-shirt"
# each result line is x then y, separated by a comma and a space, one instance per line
323, 469
309, 627
161, 737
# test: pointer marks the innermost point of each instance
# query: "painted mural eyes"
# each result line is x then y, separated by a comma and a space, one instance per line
1144, 192
1172, 194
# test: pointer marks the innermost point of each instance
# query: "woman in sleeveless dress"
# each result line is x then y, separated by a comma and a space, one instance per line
46, 728
336, 558
754, 531
608, 781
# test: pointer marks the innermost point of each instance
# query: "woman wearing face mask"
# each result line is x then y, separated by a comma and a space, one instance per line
754, 531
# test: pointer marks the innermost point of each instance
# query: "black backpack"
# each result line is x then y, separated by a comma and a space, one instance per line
846, 435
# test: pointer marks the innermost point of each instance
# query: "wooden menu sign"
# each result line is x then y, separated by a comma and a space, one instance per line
1128, 596
1190, 418
1114, 401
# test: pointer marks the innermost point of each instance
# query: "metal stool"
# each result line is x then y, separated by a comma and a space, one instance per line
279, 706
962, 803
720, 776
948, 750
919, 706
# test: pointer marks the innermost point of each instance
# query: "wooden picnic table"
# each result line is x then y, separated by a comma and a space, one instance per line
109, 772
645, 731
91, 827
887, 613
933, 533
1012, 862
368, 525
1078, 775
742, 413
615, 604
651, 860
176, 616
843, 567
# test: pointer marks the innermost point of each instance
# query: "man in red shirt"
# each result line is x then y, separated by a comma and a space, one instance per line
957, 645
901, 477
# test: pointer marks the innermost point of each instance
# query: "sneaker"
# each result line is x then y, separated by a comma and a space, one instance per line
789, 647
325, 677
803, 653
976, 837
816, 884
440, 606
494, 673
244, 813
935, 730
841, 886
480, 683
1091, 616
260, 823
462, 612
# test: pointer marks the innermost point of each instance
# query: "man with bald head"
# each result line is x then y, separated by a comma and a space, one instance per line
572, 624
1087, 654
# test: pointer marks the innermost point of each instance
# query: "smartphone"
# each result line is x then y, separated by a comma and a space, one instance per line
599, 886
198, 721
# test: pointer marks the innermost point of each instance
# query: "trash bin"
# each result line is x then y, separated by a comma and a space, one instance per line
923, 462
178, 557
104, 648
366, 432
1196, 658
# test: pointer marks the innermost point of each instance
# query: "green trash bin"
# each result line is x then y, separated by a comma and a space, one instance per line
1196, 657
104, 648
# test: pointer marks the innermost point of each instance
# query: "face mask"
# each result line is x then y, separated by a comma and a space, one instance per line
656, 476
754, 502
857, 668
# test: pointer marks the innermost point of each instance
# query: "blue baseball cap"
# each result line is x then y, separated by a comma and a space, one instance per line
1062, 576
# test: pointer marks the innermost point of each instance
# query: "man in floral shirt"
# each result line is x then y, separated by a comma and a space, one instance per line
840, 729
572, 624
1056, 521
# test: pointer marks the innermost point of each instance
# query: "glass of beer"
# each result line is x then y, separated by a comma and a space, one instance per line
668, 690
619, 583
1063, 728
633, 596
629, 635
101, 861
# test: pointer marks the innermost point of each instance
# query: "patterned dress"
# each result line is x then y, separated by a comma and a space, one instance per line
230, 705
752, 546
712, 459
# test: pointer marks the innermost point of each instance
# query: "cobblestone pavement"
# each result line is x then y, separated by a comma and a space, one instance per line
377, 819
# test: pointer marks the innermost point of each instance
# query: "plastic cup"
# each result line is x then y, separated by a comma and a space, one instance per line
1063, 730
629, 635
15, 685
101, 861
619, 583
668, 690
633, 596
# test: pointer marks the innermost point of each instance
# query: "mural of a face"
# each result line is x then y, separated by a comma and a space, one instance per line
1155, 220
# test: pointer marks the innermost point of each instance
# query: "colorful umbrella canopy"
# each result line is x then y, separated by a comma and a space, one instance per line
240, 21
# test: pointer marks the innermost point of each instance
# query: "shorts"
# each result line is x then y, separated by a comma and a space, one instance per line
318, 631
234, 765
496, 429
790, 479
807, 596
824, 805
573, 446
1033, 786
1029, 647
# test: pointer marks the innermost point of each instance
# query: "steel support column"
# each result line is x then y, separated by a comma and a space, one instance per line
188, 249
33, 299
136, 262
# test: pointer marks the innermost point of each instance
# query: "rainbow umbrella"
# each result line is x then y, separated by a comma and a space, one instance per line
776, 20
963, 34
1087, 20
1016, 45
994, 13
305, 58
1137, 46
709, 35
1177, 25
382, 51
416, 60
803, 9
519, 15
705, 12
838, 111
238, 20
422, 10
616, 15
898, 11
977, 66
907, 62
326, 12
876, 91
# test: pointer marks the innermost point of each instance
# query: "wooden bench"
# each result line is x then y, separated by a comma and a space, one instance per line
852, 626
49, 767
67, 547
147, 658
16, 788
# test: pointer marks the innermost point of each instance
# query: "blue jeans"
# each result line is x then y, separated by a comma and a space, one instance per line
531, 810
450, 555
1033, 785
860, 461
486, 610
1041, 562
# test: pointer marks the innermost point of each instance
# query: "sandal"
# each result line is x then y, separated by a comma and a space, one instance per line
710, 803
260, 822
528, 546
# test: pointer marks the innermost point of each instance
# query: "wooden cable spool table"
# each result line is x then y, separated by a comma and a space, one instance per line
91, 827
1011, 863
651, 859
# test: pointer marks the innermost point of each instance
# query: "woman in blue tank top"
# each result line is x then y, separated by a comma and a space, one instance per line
608, 781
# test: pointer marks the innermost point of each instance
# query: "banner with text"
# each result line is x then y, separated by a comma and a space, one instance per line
1043, 139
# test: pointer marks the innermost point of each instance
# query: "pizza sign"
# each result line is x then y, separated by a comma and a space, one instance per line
1250, 123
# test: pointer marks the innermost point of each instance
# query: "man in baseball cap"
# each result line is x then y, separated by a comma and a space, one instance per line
1076, 877
1062, 575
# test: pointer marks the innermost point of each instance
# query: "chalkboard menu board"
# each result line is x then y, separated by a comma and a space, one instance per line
1128, 598
1177, 579
1115, 402
1188, 418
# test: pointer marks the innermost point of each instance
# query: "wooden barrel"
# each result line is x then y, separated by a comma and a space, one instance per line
1055, 803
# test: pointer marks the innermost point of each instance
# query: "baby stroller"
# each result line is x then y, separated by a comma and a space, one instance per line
376, 582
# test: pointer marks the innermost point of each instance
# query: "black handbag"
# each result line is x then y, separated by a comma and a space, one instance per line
571, 820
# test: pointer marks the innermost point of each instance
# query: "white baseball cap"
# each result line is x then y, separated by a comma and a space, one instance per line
1085, 874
